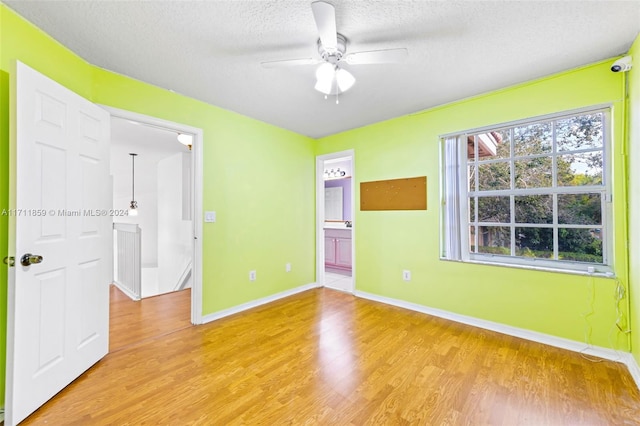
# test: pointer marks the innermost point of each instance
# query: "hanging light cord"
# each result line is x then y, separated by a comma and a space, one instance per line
133, 176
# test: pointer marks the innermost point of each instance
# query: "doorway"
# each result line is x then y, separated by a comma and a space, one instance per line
335, 225
151, 168
157, 140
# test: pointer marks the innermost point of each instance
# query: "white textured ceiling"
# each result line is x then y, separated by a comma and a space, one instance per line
150, 143
212, 50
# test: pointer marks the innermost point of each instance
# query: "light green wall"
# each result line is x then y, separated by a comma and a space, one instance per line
388, 242
259, 180
257, 177
634, 196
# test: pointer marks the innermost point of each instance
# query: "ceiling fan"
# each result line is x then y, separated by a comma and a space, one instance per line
332, 78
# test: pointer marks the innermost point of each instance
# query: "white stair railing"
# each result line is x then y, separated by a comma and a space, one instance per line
184, 278
127, 267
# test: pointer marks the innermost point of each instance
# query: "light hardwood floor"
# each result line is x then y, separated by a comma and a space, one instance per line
133, 322
326, 357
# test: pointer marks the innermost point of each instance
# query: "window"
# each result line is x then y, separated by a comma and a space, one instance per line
533, 193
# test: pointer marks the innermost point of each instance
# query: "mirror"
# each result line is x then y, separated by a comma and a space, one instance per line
333, 203
337, 199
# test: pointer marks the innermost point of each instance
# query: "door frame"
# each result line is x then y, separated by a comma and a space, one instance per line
196, 180
320, 159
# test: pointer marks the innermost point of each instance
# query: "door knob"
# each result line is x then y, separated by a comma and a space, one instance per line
30, 259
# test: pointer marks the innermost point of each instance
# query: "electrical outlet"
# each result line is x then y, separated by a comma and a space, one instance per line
287, 267
252, 275
406, 275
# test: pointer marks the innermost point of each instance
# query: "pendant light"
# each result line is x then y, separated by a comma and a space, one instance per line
133, 206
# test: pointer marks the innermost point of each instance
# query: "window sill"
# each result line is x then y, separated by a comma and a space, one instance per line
599, 274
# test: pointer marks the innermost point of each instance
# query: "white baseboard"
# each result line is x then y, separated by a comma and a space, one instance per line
547, 339
126, 291
634, 369
255, 303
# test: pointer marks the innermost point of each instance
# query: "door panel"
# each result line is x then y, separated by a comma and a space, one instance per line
58, 316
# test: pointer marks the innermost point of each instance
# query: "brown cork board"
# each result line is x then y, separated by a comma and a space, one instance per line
394, 194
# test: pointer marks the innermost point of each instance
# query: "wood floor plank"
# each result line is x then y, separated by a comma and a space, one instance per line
326, 357
134, 321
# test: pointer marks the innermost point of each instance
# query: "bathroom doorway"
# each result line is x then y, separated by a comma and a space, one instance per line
335, 198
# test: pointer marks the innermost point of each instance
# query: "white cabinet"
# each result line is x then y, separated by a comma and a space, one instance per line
337, 248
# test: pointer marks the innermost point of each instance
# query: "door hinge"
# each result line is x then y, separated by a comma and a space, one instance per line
9, 260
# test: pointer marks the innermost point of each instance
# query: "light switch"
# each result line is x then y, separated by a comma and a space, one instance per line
209, 216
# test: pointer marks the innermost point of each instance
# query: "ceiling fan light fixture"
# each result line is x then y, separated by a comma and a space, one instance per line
332, 80
325, 71
325, 75
344, 79
324, 86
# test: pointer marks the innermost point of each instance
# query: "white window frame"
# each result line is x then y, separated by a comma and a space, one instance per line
455, 220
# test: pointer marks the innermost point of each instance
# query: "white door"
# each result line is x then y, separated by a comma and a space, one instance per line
58, 310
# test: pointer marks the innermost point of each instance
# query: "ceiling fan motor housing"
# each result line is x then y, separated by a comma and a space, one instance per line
333, 55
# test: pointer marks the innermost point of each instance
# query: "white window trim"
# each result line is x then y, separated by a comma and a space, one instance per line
455, 243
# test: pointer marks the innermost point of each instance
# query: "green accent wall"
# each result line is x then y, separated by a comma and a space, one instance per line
259, 179
389, 241
633, 146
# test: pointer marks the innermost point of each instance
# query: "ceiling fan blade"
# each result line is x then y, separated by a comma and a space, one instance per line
386, 56
288, 63
325, 16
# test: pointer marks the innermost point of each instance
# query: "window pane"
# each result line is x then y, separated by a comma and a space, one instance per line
472, 209
471, 174
472, 239
534, 173
534, 242
494, 176
580, 209
534, 209
504, 143
471, 143
581, 132
491, 145
532, 139
494, 209
580, 169
580, 245
494, 240
535, 190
